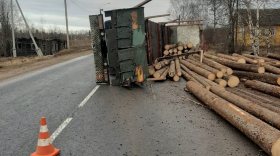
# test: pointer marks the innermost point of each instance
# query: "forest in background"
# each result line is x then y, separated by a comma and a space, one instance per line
79, 38
222, 19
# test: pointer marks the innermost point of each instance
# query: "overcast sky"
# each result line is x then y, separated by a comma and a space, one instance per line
50, 13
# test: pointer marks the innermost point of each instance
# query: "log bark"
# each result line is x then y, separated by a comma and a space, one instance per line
196, 77
255, 99
198, 70
178, 67
164, 74
249, 60
158, 73
264, 135
221, 82
260, 59
274, 56
263, 87
245, 67
232, 58
249, 106
266, 77
172, 71
215, 64
271, 69
219, 74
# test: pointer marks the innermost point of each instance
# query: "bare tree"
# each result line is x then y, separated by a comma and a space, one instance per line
188, 9
5, 29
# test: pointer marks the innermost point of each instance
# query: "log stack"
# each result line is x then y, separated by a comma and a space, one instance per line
243, 89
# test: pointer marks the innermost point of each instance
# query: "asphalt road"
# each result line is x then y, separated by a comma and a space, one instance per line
159, 119
54, 92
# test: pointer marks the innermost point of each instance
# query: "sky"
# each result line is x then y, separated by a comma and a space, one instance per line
49, 14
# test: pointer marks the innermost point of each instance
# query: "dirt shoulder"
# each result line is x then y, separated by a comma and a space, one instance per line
11, 67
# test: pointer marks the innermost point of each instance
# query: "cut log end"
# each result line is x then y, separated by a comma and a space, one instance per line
219, 74
158, 66
261, 70
229, 71
221, 82
241, 60
233, 81
211, 77
278, 81
176, 78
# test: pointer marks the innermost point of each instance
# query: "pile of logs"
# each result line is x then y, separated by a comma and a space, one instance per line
177, 49
254, 110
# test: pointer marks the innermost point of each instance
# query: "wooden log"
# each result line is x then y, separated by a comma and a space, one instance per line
180, 48
158, 73
271, 69
172, 70
196, 77
274, 56
249, 60
249, 106
176, 78
263, 87
170, 51
178, 67
169, 46
187, 76
254, 99
189, 45
165, 52
260, 59
164, 74
221, 82
214, 64
151, 70
161, 64
245, 67
219, 74
198, 70
232, 81
179, 52
232, 58
266, 77
266, 136
156, 79
175, 50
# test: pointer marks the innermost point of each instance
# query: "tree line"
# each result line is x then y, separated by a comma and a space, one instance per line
22, 32
224, 14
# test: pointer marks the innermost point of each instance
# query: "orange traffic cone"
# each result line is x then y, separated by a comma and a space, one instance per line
44, 146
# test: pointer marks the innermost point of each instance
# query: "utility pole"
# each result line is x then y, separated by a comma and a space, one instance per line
13, 31
37, 49
67, 30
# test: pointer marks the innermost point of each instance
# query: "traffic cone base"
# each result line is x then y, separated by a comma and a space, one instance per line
44, 146
54, 153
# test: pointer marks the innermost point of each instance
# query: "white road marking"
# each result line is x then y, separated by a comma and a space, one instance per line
60, 129
68, 120
88, 97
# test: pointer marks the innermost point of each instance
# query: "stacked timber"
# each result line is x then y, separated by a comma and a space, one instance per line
215, 81
177, 49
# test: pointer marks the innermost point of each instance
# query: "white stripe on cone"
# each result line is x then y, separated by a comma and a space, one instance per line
44, 129
44, 142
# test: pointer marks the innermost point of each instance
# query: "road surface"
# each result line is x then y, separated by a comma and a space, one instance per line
159, 119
